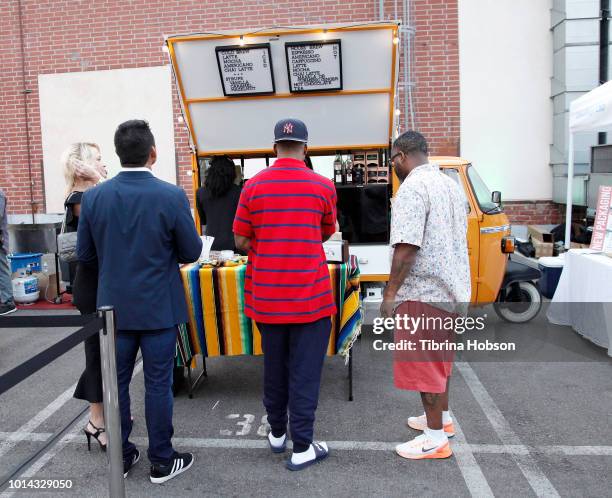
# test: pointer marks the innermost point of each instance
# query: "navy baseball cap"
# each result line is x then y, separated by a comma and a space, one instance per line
290, 130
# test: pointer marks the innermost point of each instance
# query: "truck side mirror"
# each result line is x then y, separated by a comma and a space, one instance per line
496, 197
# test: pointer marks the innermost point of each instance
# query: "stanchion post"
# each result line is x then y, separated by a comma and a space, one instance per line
116, 484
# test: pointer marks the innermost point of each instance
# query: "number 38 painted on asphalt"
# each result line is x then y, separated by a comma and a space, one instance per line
245, 422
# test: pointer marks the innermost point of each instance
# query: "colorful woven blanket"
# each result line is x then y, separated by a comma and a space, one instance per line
217, 323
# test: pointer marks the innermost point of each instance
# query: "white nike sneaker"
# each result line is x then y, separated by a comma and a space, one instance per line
423, 447
420, 424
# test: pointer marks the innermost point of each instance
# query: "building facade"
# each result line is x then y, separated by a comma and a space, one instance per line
476, 88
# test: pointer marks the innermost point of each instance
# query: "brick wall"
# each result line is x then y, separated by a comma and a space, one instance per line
80, 35
534, 213
436, 74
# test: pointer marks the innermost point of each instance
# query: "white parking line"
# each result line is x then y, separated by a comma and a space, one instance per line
475, 480
48, 455
55, 449
31, 437
581, 450
535, 477
262, 444
38, 419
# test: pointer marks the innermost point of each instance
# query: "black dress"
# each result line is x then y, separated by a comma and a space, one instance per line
84, 294
217, 213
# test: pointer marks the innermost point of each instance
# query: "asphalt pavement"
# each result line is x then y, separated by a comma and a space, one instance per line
533, 424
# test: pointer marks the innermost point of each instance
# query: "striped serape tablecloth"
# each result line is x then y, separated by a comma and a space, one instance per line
217, 323
184, 354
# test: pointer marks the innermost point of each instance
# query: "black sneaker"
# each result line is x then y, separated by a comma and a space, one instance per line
7, 308
128, 464
179, 464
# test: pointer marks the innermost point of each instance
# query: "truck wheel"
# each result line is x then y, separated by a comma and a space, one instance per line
522, 302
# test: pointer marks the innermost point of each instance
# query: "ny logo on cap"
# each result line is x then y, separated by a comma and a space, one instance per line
288, 128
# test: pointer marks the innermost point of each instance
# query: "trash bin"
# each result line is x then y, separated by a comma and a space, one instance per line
551, 268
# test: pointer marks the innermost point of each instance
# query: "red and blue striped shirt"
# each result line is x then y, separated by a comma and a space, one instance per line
286, 210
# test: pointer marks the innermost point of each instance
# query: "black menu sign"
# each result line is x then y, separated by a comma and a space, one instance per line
314, 66
245, 70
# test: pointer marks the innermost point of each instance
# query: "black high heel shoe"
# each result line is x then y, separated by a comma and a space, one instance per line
95, 435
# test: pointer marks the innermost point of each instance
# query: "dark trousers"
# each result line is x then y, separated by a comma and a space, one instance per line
89, 387
158, 348
293, 360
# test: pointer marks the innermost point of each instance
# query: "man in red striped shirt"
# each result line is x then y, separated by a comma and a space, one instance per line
284, 214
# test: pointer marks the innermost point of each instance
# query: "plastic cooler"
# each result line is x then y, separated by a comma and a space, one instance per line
371, 302
22, 260
551, 269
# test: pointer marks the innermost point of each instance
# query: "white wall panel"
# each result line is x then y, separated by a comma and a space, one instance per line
249, 124
505, 69
88, 107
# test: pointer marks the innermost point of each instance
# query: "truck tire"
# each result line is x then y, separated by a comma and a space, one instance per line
521, 303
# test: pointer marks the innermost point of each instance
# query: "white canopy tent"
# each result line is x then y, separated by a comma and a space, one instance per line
591, 112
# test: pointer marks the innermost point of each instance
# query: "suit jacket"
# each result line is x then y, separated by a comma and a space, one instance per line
139, 229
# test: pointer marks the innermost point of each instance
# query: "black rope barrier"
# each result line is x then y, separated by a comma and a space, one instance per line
90, 325
44, 321
42, 359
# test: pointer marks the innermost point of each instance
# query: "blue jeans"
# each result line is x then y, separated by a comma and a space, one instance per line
158, 349
293, 360
6, 286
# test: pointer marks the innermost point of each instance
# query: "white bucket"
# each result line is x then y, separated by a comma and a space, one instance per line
25, 289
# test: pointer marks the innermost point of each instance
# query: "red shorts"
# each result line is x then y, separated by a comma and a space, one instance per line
427, 367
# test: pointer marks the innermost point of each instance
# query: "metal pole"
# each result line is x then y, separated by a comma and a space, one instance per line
350, 369
116, 485
25, 91
570, 190
58, 298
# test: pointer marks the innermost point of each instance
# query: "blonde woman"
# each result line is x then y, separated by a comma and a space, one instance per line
83, 169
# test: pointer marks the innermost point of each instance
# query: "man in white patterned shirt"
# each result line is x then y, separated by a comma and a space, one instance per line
430, 278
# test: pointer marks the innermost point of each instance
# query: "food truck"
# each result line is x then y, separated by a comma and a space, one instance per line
341, 80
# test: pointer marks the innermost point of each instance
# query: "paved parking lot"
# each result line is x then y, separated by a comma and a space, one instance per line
540, 427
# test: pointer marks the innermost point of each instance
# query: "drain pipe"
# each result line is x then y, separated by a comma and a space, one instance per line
25, 91
408, 32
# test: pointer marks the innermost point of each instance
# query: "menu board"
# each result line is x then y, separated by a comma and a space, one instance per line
245, 70
314, 66
602, 228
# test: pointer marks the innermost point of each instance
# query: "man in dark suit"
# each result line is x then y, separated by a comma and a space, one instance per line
139, 229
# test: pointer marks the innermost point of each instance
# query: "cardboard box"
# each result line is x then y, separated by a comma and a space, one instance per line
575, 245
542, 248
51, 292
541, 233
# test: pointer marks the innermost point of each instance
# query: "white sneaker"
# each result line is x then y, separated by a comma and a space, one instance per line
420, 424
277, 444
422, 447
